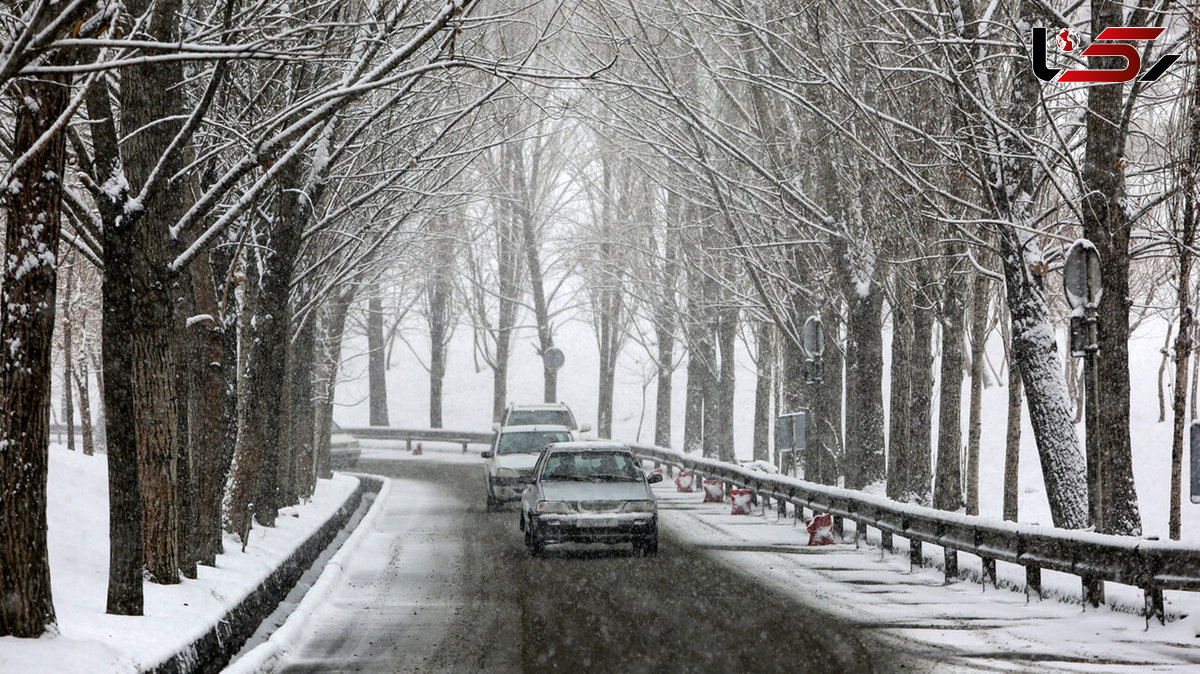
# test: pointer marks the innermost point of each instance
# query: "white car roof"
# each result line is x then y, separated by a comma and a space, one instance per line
580, 445
539, 406
539, 428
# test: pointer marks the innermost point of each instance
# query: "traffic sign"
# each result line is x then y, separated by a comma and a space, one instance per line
553, 358
1081, 275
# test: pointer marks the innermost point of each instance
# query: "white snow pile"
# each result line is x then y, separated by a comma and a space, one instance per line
89, 640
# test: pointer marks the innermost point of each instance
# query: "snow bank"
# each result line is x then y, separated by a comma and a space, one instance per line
263, 657
90, 640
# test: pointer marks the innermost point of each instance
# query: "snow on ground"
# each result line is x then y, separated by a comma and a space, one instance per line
963, 625
89, 640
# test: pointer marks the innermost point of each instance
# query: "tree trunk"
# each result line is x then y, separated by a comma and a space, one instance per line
1183, 340
901, 395
33, 218
1106, 224
256, 465
865, 446
920, 409
68, 406
115, 373
508, 260
523, 210
1012, 442
765, 346
333, 327
440, 326
693, 406
664, 335
376, 370
1035, 354
726, 341
979, 331
948, 484
301, 419
85, 408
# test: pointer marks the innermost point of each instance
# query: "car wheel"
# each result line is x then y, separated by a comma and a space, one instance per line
492, 504
648, 547
537, 546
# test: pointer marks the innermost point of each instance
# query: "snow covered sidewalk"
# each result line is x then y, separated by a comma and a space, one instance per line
962, 624
90, 640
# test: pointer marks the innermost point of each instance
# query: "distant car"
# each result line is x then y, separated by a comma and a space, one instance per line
590, 492
557, 414
514, 451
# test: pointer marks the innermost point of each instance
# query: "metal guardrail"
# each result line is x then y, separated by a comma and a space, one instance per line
1151, 565
411, 435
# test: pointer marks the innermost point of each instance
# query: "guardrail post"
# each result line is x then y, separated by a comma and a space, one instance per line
915, 560
951, 564
989, 571
1093, 591
1033, 581
1154, 606
782, 508
885, 541
408, 444
839, 526
464, 448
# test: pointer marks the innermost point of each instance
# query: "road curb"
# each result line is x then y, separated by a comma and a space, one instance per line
265, 655
212, 651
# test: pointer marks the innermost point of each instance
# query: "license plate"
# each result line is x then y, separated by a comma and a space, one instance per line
597, 523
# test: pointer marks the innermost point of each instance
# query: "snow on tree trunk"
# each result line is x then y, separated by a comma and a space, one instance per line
1035, 354
33, 221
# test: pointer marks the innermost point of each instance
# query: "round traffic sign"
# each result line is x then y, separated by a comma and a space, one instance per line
553, 358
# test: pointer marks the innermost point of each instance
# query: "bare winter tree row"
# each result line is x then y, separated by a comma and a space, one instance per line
223, 178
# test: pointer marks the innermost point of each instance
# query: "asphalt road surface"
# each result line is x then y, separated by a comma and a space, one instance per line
444, 586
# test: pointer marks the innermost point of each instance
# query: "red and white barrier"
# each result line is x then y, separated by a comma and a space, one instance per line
741, 499
820, 530
714, 491
685, 481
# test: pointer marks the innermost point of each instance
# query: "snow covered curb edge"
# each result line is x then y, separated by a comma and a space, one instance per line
212, 651
262, 657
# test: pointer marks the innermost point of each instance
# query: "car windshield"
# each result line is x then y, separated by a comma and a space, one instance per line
530, 442
540, 418
591, 466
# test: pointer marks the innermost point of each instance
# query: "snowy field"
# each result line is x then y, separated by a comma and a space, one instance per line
89, 640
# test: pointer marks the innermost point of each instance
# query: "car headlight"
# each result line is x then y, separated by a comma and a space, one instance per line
507, 472
554, 508
639, 507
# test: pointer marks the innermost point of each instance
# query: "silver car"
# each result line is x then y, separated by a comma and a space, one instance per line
589, 492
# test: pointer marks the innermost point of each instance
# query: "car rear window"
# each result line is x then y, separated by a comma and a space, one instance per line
614, 466
540, 418
529, 443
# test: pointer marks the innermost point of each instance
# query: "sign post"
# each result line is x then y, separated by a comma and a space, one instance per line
1082, 285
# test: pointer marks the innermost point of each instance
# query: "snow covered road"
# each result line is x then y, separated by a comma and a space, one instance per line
439, 585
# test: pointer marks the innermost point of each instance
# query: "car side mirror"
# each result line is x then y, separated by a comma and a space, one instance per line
654, 477
585, 428
486, 455
496, 427
525, 479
